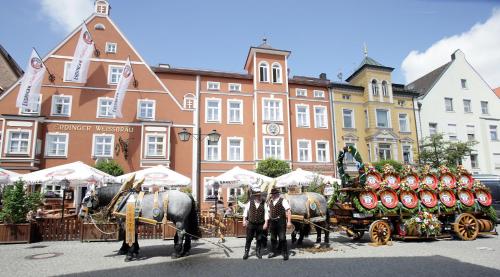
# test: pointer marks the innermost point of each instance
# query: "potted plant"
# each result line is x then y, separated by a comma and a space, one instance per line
15, 216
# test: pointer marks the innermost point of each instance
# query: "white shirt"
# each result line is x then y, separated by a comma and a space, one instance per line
285, 203
257, 205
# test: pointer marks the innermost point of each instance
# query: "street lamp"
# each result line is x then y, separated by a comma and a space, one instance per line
64, 183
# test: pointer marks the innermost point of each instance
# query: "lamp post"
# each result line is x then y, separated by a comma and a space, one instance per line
64, 183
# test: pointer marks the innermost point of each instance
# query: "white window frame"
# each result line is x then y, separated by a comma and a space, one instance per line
367, 119
308, 149
229, 101
213, 85
385, 156
110, 69
23, 111
188, 97
374, 86
452, 134
389, 125
496, 160
146, 143
53, 105
470, 105
219, 150
98, 114
219, 113
8, 141
279, 79
279, 113
109, 45
493, 130
411, 152
206, 189
301, 92
307, 122
264, 78
385, 88
282, 147
94, 136
487, 108
462, 83
327, 151
435, 130
47, 142
236, 87
229, 139
407, 123
352, 119
319, 93
67, 65
325, 117
153, 113
446, 106
238, 191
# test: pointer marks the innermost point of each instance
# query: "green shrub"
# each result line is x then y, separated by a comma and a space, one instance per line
17, 203
110, 166
379, 166
272, 167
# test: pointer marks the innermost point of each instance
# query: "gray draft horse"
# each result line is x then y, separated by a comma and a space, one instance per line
181, 210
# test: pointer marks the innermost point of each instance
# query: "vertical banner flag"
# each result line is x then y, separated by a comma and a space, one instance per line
121, 89
81, 60
29, 91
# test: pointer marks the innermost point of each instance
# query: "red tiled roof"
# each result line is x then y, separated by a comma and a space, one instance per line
497, 91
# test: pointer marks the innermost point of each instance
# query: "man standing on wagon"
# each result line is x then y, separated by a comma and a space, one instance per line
255, 217
280, 217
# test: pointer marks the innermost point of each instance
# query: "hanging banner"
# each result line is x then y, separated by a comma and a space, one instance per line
29, 91
81, 60
121, 89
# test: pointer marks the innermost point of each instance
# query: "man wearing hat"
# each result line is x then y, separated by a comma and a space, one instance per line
280, 217
255, 217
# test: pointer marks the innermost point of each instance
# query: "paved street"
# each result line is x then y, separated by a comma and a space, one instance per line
422, 258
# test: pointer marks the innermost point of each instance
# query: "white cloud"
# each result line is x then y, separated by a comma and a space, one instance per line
481, 45
66, 15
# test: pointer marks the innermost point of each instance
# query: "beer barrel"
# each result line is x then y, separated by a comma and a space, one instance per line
392, 180
409, 199
428, 198
431, 181
368, 199
412, 180
447, 197
389, 198
466, 197
485, 225
373, 180
484, 197
448, 180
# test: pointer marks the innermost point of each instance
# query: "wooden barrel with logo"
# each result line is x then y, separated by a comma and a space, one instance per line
368, 199
389, 198
409, 199
466, 197
485, 225
428, 198
484, 197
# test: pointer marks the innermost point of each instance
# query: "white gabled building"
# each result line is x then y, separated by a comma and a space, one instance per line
455, 100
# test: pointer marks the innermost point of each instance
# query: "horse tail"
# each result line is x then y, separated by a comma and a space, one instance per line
193, 224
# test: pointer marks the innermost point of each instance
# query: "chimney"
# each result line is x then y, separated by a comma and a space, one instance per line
322, 76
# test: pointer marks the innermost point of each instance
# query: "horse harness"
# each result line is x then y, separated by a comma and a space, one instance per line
156, 211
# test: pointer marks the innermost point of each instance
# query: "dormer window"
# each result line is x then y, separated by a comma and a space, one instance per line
276, 73
263, 72
102, 7
374, 87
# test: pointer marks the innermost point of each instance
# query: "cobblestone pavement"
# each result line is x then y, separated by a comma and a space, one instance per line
346, 258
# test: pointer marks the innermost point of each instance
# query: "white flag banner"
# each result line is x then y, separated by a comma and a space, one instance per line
121, 89
81, 59
29, 92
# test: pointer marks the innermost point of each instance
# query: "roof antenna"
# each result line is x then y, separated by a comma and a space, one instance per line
365, 49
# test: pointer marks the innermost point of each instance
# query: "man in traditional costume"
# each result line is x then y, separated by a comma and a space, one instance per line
255, 218
280, 218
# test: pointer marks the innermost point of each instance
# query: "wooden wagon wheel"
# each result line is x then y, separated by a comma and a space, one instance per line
466, 227
380, 232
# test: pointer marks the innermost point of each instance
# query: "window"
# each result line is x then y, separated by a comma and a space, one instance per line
463, 82
348, 118
234, 193
235, 114
484, 107
110, 47
61, 105
114, 74
322, 152
235, 149
103, 146
56, 145
319, 94
374, 87
234, 87
302, 115
385, 89
301, 92
452, 131
448, 104
213, 112
210, 190
67, 66
433, 128
212, 150
401, 102
367, 121
155, 145
383, 119
189, 101
105, 108
273, 148
146, 109
403, 123
346, 97
264, 72
496, 160
304, 150
35, 110
467, 107
470, 133
493, 132
407, 154
18, 142
213, 85
276, 73
320, 117
54, 188
473, 161
272, 110
384, 151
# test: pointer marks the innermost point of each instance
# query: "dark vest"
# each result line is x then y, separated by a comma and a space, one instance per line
277, 210
256, 215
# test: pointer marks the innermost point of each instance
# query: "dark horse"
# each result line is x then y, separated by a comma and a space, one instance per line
181, 210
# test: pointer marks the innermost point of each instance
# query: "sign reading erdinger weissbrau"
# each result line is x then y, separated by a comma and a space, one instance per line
98, 128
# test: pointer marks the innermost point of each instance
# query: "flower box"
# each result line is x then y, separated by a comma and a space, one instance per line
15, 233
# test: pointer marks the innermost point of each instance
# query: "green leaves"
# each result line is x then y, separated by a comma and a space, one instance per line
272, 168
110, 166
17, 203
435, 150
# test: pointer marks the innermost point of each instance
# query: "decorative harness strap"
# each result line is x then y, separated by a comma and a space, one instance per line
165, 207
138, 204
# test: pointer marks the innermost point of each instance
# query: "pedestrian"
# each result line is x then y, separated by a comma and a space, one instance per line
255, 218
280, 218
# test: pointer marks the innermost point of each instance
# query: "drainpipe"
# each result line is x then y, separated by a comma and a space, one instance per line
334, 130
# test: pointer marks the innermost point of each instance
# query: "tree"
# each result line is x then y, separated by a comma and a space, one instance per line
17, 203
436, 151
272, 167
110, 166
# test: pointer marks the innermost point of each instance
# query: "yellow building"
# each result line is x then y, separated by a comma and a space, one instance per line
375, 115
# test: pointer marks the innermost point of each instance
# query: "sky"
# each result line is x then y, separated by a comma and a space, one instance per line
412, 36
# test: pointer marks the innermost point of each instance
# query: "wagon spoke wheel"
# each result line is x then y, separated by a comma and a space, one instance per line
466, 227
380, 232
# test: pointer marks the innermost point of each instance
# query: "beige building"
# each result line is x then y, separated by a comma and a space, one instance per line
9, 70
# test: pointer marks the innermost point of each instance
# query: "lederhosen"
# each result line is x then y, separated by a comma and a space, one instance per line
256, 220
277, 223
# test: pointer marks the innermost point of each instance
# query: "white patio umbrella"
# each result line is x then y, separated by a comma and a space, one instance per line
299, 177
7, 176
237, 177
160, 176
76, 173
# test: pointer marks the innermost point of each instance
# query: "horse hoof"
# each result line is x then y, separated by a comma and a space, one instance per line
128, 258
